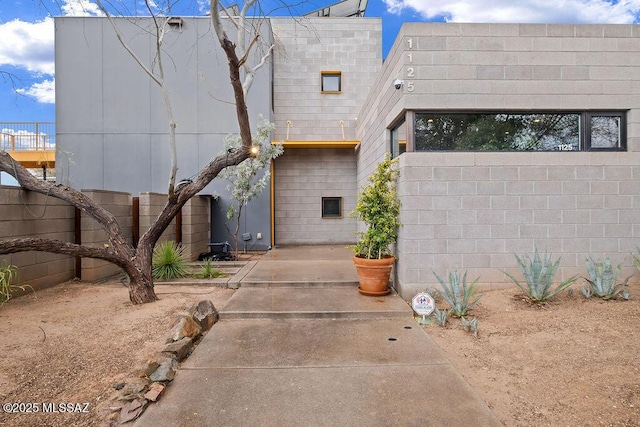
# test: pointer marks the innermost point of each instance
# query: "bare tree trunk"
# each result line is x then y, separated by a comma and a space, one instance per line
137, 262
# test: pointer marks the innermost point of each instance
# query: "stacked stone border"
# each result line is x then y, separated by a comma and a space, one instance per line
153, 375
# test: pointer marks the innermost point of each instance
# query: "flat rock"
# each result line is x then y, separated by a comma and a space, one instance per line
179, 349
154, 392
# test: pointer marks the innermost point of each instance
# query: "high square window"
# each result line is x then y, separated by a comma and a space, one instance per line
332, 207
331, 81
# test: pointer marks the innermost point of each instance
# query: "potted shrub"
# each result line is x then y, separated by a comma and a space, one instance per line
378, 207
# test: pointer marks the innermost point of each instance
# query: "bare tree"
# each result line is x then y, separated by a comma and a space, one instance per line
136, 262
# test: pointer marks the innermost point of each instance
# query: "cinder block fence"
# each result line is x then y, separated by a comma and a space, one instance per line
28, 214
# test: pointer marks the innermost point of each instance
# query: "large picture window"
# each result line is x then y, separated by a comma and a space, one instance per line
504, 131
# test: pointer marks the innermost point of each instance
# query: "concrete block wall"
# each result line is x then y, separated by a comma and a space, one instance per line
465, 211
26, 213
150, 206
302, 178
306, 47
195, 226
475, 210
119, 204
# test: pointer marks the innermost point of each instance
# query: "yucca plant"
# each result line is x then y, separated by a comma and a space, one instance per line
538, 276
459, 296
603, 280
208, 271
169, 261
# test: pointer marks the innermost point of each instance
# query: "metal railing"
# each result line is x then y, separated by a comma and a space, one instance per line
27, 136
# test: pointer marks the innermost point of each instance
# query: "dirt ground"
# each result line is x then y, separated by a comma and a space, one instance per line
575, 362
74, 342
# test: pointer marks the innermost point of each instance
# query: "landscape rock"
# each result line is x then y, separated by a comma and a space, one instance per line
184, 327
180, 349
166, 371
154, 392
132, 410
205, 314
147, 367
133, 389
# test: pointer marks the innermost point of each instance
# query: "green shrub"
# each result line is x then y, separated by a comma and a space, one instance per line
538, 276
208, 271
8, 274
603, 280
458, 296
169, 261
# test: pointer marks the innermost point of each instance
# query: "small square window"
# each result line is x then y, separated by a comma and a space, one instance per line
332, 207
606, 131
331, 81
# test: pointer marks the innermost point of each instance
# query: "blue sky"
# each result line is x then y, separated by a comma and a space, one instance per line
27, 33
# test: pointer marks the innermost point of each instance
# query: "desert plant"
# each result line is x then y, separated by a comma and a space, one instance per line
208, 271
441, 317
378, 206
538, 276
603, 280
169, 261
636, 258
8, 274
470, 325
458, 295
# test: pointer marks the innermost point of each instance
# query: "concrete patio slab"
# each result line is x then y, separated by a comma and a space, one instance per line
318, 372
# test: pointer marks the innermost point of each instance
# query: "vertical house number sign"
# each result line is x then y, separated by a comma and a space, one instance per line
410, 71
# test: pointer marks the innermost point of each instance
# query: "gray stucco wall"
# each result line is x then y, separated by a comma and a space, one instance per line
302, 178
474, 210
112, 127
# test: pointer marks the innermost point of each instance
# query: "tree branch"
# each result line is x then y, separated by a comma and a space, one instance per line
25, 244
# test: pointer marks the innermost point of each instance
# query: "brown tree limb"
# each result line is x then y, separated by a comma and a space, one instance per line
25, 244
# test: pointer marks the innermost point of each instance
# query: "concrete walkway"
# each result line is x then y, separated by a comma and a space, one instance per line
307, 353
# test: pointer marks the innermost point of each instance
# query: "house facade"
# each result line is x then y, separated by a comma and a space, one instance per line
509, 136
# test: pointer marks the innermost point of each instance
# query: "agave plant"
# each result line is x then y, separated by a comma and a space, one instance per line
636, 258
603, 280
441, 317
470, 325
538, 276
458, 295
169, 261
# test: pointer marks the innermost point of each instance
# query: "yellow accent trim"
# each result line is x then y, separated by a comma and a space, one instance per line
273, 203
34, 159
317, 144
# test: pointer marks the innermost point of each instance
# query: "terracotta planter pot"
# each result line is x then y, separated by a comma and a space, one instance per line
373, 275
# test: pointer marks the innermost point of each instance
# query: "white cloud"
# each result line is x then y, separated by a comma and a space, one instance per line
80, 8
534, 11
43, 92
28, 45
